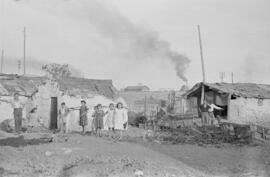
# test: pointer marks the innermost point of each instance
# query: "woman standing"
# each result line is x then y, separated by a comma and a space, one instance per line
83, 115
120, 119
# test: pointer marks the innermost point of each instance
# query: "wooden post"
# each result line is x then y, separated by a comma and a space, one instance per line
202, 95
145, 111
201, 52
228, 106
202, 63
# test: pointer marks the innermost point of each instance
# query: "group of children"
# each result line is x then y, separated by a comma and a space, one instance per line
114, 119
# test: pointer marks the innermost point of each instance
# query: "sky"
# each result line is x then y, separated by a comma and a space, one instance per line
153, 42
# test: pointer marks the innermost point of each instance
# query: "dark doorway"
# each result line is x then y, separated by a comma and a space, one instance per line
53, 113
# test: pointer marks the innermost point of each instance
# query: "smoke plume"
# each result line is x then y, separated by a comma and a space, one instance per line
136, 41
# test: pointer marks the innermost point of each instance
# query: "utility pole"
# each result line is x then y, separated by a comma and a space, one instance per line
222, 76
201, 52
2, 60
24, 47
202, 62
19, 66
232, 77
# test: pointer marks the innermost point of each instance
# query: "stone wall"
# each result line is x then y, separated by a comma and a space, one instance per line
42, 99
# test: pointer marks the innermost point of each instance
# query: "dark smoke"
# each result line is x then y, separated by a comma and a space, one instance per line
138, 42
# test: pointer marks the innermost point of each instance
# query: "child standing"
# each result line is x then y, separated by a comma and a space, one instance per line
110, 119
63, 113
98, 116
120, 119
32, 120
83, 115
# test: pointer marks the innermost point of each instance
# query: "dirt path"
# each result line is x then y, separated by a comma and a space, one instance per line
101, 157
225, 160
89, 156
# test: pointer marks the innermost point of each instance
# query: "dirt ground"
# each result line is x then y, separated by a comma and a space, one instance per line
82, 156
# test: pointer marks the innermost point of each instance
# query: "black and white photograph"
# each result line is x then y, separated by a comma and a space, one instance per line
134, 88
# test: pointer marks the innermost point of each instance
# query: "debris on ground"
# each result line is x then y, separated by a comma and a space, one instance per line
59, 138
49, 153
138, 173
200, 136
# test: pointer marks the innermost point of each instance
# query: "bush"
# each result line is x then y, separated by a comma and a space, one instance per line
136, 118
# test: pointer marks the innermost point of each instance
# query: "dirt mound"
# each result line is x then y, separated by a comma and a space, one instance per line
4, 135
20, 141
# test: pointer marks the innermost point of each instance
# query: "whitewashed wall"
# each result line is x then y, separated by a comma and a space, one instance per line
42, 99
73, 118
245, 110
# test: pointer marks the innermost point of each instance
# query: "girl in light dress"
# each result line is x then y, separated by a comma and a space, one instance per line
120, 119
109, 121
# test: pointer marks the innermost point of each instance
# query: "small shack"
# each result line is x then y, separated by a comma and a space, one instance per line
47, 94
137, 88
242, 103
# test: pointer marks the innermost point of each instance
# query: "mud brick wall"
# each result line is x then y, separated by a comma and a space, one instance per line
245, 110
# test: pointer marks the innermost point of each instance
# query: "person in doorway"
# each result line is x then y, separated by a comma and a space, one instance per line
63, 113
204, 113
211, 109
98, 116
32, 120
120, 119
110, 119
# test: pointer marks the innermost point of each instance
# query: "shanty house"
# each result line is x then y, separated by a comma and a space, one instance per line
47, 95
241, 102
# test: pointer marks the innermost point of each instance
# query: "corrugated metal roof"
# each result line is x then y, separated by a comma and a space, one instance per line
247, 90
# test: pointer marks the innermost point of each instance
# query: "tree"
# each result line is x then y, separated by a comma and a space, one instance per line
57, 70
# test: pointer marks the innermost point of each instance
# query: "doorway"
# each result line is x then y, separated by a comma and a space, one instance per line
53, 121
